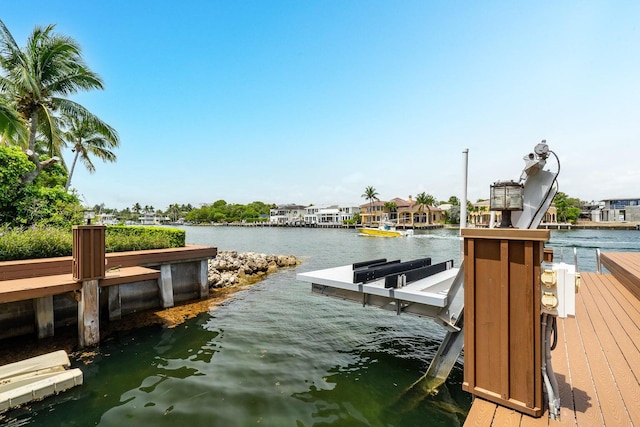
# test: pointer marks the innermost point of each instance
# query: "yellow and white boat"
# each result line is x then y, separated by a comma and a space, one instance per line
384, 229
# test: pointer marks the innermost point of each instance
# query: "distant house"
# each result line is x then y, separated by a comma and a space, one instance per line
616, 210
336, 215
106, 219
150, 218
287, 215
406, 212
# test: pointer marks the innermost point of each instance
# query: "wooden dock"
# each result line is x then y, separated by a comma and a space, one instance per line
597, 357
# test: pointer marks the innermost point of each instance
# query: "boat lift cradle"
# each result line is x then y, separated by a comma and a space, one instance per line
438, 293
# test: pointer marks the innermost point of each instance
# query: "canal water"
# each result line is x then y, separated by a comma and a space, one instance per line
277, 355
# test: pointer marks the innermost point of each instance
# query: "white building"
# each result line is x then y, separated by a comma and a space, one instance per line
106, 219
150, 218
287, 215
313, 215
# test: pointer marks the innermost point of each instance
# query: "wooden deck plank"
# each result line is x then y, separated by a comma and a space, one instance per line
481, 413
560, 366
505, 417
609, 398
129, 275
585, 399
36, 287
624, 266
616, 344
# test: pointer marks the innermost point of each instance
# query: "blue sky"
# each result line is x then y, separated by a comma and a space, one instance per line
312, 101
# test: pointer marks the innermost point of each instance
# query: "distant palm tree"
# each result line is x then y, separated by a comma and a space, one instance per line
174, 212
89, 137
136, 208
370, 194
392, 207
425, 200
36, 81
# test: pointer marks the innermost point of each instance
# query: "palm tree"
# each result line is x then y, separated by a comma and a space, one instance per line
425, 200
89, 138
370, 194
12, 126
36, 81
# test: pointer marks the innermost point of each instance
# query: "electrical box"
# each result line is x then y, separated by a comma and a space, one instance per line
559, 283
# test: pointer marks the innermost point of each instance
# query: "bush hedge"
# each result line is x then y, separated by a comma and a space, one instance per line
49, 242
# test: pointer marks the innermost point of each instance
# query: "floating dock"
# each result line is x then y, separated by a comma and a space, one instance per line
36, 378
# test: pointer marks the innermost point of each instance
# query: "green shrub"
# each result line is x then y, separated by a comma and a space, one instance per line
30, 243
47, 242
132, 238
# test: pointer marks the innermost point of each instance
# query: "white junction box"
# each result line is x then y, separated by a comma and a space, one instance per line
558, 288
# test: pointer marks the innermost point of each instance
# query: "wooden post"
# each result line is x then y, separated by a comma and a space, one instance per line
204, 278
502, 316
89, 314
114, 302
88, 267
43, 307
166, 286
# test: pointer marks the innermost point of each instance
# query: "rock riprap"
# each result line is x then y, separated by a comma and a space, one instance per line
232, 268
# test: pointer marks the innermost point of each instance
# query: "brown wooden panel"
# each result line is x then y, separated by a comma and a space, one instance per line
502, 303
506, 233
20, 269
469, 374
88, 252
160, 256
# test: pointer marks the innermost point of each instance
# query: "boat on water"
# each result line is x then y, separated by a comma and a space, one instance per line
384, 229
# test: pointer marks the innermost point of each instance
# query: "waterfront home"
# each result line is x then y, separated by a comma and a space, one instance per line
617, 210
401, 212
150, 218
336, 215
106, 219
287, 215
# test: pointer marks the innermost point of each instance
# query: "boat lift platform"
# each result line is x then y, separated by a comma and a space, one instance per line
426, 296
415, 287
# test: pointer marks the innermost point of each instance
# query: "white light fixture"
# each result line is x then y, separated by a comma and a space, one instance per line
89, 214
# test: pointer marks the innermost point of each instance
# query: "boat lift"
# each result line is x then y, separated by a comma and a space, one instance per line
437, 291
